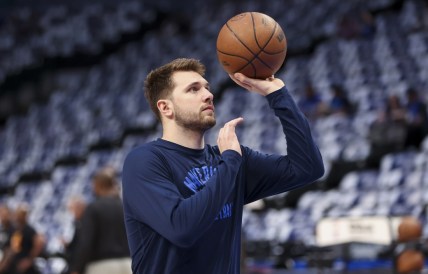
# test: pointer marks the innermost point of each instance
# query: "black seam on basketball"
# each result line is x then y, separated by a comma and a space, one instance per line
234, 34
257, 41
261, 61
256, 56
270, 38
254, 69
254, 31
263, 48
234, 55
251, 62
273, 53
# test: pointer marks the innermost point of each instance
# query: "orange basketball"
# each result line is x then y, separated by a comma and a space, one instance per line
251, 43
409, 229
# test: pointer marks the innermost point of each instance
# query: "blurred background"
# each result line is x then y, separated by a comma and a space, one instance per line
71, 102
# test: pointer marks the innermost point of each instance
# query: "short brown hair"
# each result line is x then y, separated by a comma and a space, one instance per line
158, 84
105, 177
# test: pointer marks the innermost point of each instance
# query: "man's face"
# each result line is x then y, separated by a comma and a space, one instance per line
192, 101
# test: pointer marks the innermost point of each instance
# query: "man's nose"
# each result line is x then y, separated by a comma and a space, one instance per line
208, 96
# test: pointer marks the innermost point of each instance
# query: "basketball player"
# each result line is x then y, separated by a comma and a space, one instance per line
183, 199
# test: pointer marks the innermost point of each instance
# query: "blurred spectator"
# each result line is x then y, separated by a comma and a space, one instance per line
417, 119
347, 27
102, 246
394, 111
367, 24
356, 25
390, 127
311, 103
77, 207
7, 228
25, 246
388, 133
339, 103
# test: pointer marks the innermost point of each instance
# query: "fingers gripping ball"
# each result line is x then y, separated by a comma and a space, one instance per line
253, 44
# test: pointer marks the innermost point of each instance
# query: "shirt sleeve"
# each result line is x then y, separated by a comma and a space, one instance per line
151, 197
272, 174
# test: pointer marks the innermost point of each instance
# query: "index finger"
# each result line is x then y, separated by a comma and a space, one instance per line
248, 81
234, 122
239, 82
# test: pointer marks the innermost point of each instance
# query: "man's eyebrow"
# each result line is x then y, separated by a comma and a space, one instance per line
197, 83
192, 84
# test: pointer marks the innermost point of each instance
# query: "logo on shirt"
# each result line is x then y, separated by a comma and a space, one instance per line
195, 181
198, 176
226, 212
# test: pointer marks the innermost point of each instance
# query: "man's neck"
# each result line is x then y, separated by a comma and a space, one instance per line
184, 137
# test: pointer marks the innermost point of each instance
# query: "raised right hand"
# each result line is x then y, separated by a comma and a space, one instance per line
227, 138
260, 86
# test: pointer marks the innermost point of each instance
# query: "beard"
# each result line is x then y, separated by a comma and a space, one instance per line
195, 121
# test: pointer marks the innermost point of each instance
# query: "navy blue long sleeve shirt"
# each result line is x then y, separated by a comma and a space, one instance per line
183, 207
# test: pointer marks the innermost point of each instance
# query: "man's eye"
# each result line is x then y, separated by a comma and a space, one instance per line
193, 89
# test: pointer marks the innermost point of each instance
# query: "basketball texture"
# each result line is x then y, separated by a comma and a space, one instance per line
253, 44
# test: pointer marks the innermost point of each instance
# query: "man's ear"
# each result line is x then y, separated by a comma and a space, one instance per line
165, 108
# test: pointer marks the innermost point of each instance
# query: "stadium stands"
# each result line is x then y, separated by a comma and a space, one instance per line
97, 113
